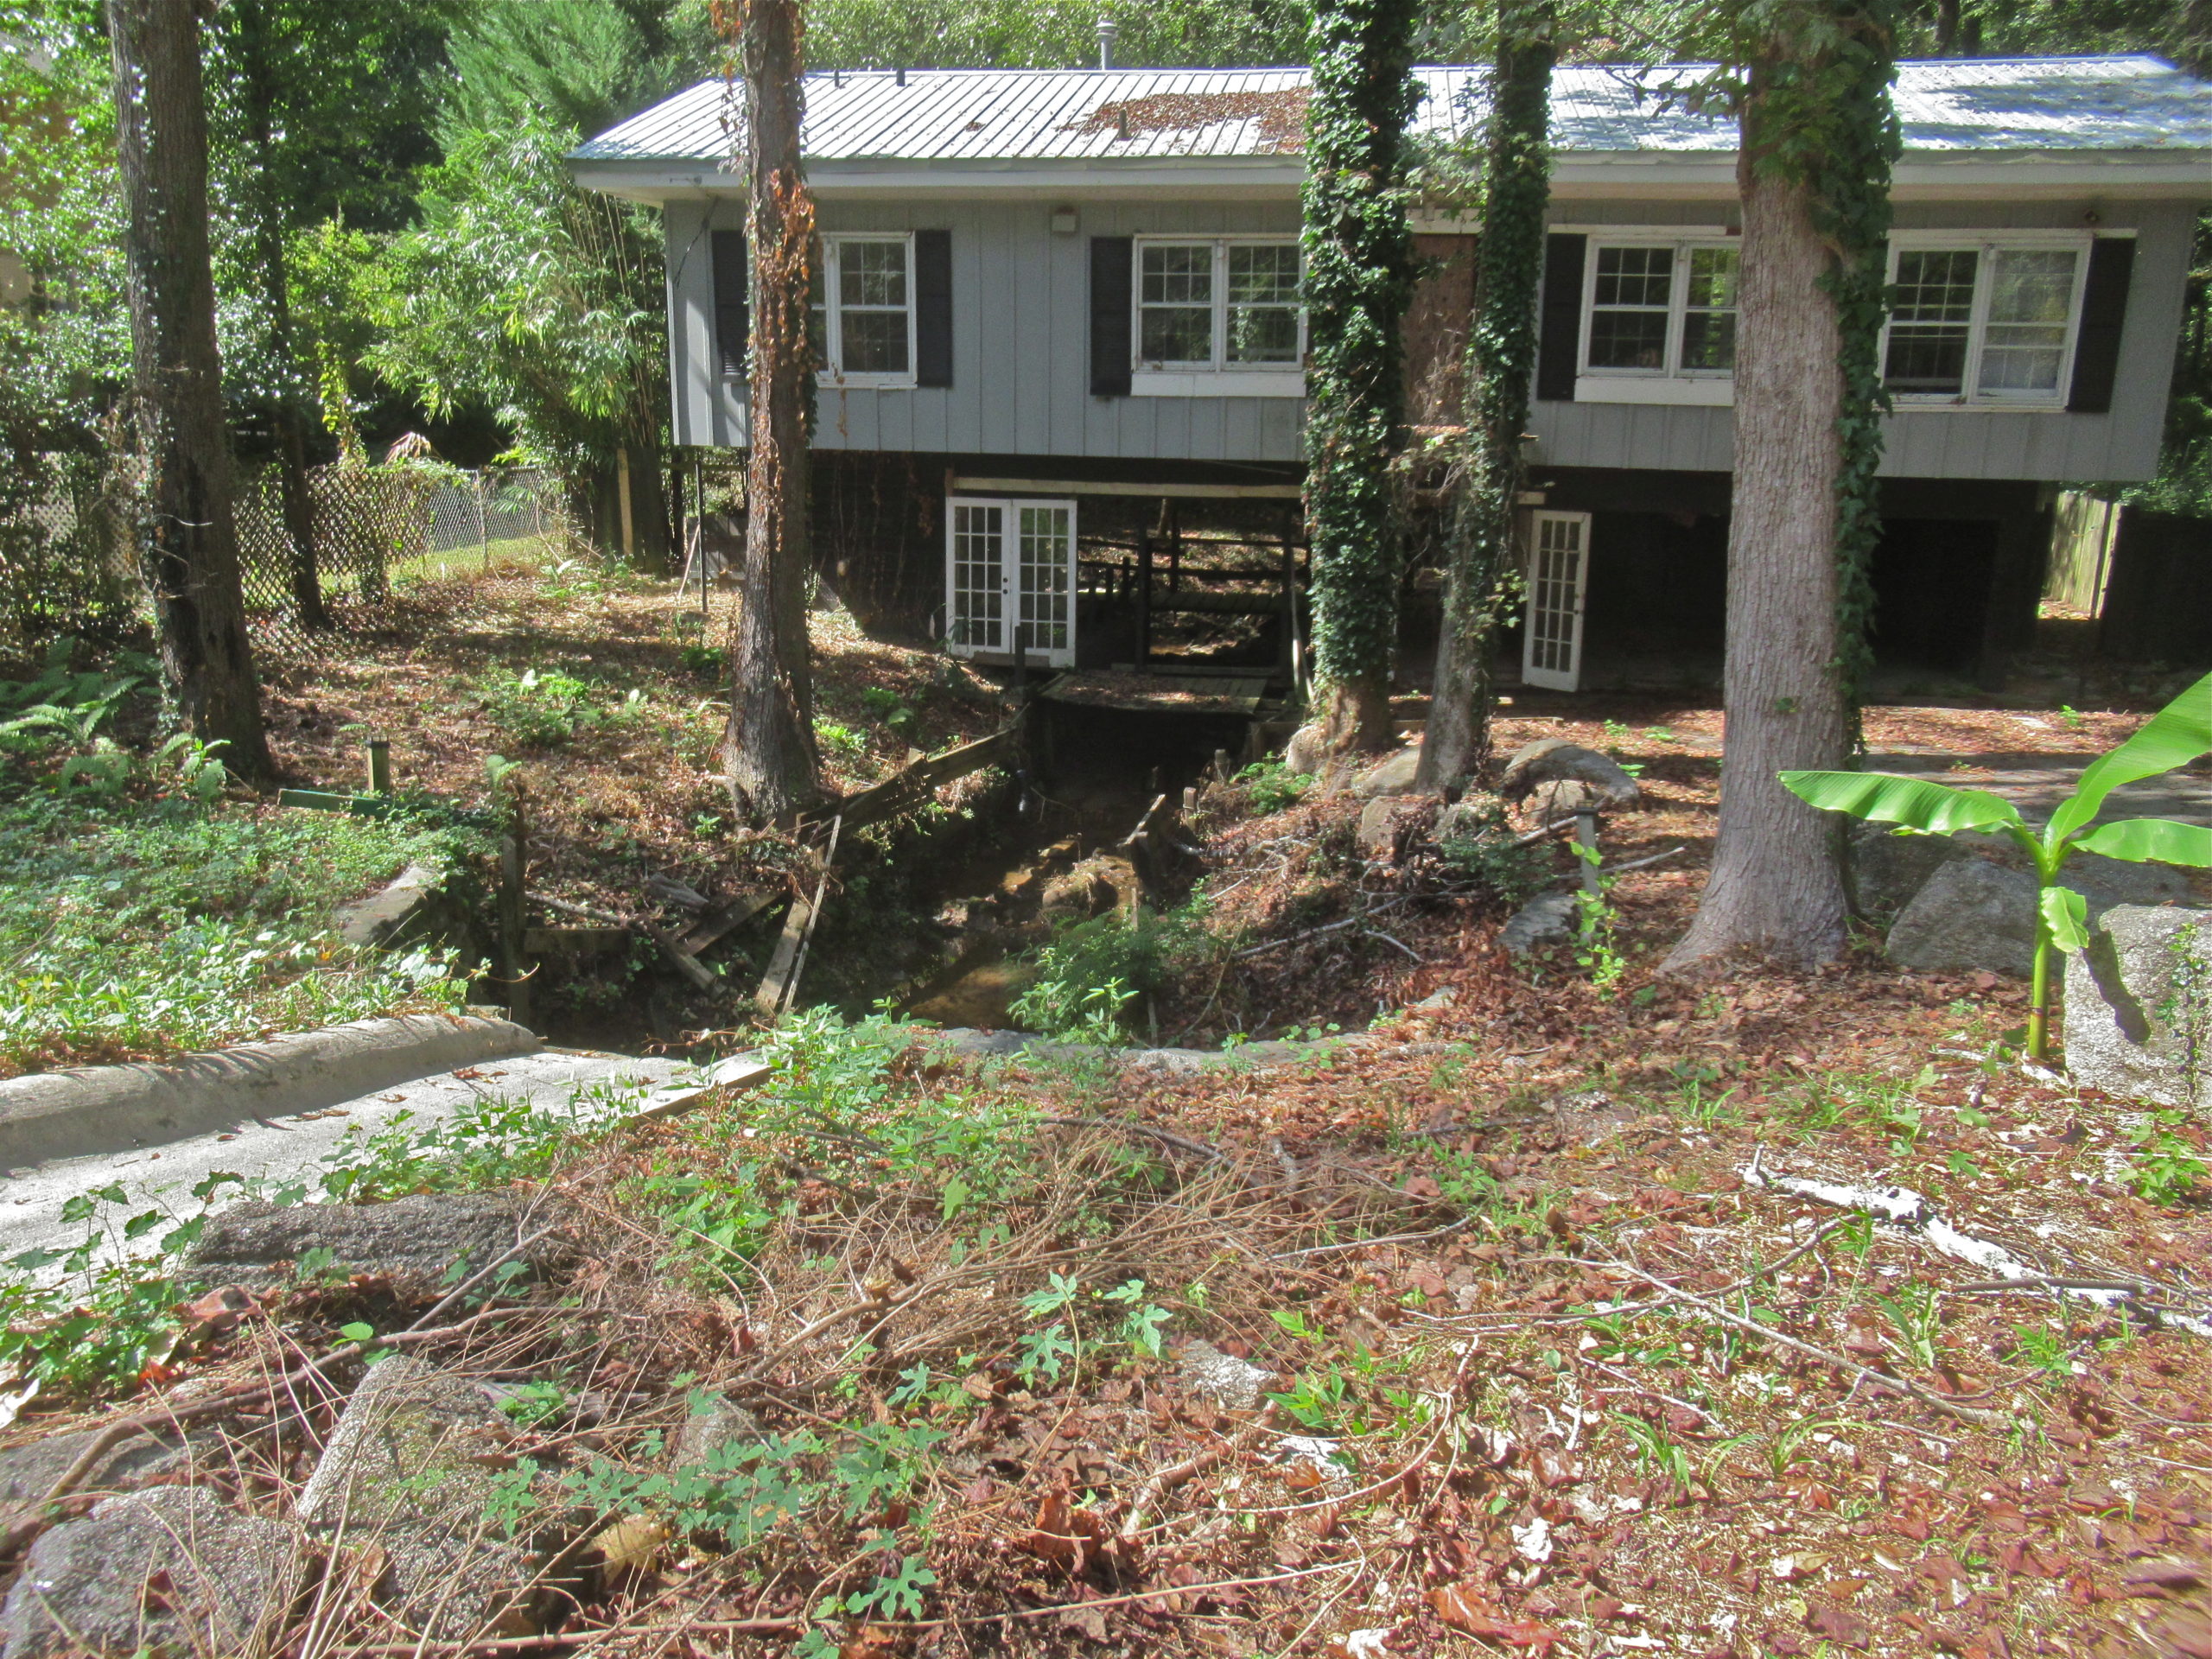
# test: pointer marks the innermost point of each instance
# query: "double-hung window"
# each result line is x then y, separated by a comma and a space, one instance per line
1219, 316
1660, 324
866, 337
1986, 320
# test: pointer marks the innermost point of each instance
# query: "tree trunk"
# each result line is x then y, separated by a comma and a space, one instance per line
1776, 885
768, 747
1358, 279
188, 540
1947, 28
1501, 361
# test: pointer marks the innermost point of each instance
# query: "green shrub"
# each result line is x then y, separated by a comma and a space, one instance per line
1490, 851
541, 709
1092, 972
1271, 786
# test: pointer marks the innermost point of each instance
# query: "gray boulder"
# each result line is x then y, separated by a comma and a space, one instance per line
1392, 775
416, 1240
170, 1570
1974, 913
27, 1472
1548, 919
1551, 762
416, 1466
1890, 870
1385, 822
2138, 1006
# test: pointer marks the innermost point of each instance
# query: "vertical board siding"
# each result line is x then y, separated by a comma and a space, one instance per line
1020, 307
1020, 382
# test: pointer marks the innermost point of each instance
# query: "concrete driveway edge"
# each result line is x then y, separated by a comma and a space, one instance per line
118, 1107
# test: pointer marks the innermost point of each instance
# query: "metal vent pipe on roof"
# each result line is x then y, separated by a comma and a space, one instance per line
1107, 30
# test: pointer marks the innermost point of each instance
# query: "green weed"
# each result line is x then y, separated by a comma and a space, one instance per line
1270, 786
2166, 1167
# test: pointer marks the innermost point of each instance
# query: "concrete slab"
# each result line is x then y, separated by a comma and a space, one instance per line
594, 1087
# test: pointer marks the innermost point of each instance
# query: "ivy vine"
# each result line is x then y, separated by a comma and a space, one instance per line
1358, 280
1822, 69
1501, 361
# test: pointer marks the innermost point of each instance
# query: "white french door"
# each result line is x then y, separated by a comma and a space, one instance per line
1009, 578
1559, 561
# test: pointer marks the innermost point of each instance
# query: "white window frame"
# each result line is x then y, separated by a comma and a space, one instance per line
1219, 378
1985, 244
832, 373
1669, 385
1010, 578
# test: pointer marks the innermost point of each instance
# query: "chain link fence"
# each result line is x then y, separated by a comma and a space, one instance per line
67, 568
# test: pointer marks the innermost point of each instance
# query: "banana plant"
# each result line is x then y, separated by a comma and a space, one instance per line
2175, 735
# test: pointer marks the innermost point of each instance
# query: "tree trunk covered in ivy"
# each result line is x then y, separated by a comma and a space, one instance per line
768, 747
1501, 360
1358, 280
188, 540
1818, 137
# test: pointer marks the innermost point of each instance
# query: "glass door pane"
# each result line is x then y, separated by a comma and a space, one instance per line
1044, 578
975, 605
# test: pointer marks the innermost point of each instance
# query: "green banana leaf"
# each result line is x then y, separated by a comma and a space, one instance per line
1883, 797
2175, 735
2147, 840
2068, 914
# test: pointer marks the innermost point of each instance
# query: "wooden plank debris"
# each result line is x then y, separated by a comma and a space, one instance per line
781, 980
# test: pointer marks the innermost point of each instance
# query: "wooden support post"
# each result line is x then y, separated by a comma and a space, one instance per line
1190, 799
1290, 606
1175, 548
1585, 840
379, 766
1222, 770
1144, 599
514, 866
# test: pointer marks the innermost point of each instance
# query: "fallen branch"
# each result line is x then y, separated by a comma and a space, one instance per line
1905, 1208
1989, 1419
1182, 1143
1326, 927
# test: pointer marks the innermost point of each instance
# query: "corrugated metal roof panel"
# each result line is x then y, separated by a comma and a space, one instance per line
1001, 114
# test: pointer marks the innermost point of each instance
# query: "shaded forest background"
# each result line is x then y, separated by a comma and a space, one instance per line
398, 247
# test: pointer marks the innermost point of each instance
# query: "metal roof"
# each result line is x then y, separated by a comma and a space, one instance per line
987, 116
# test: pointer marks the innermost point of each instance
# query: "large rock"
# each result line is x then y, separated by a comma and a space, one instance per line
2138, 1006
1974, 913
170, 1570
1392, 775
1553, 761
1890, 870
1548, 919
416, 1240
417, 1467
1385, 822
27, 1472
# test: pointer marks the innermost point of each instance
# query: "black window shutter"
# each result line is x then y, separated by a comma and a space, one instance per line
733, 313
1112, 258
2104, 310
1559, 330
932, 308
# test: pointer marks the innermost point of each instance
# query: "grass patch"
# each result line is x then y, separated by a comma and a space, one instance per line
141, 915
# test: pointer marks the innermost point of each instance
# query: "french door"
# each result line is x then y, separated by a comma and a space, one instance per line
1559, 561
1009, 578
